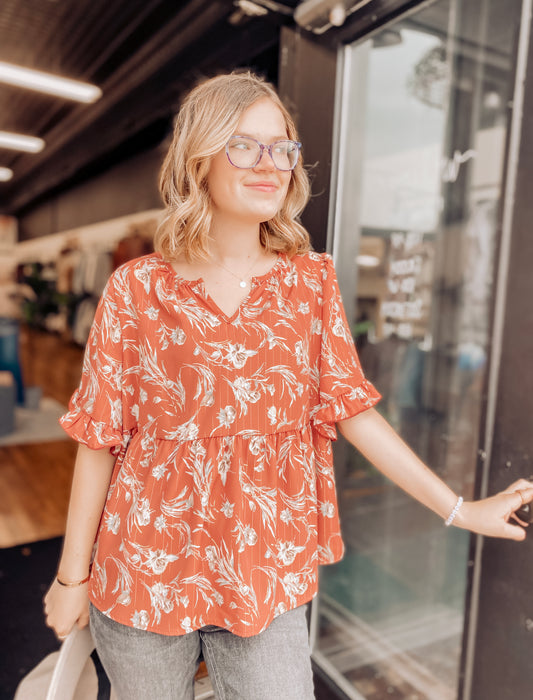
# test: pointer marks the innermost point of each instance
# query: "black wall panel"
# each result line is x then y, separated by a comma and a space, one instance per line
307, 87
503, 651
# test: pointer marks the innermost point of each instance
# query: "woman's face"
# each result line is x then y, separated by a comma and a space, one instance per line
255, 195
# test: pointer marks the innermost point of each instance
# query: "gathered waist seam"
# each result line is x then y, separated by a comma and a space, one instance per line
245, 435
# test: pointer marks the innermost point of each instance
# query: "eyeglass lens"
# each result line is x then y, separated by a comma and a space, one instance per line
245, 152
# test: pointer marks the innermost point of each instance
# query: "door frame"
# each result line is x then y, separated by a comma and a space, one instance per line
509, 394
506, 449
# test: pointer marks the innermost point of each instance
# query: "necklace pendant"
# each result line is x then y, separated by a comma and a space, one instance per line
243, 284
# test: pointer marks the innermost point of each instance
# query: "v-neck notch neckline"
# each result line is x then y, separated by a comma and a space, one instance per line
197, 285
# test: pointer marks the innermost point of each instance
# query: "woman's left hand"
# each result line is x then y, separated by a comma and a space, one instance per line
491, 516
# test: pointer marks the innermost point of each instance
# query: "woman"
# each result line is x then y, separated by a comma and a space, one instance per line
214, 376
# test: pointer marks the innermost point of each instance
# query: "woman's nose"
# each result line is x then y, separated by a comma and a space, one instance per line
265, 162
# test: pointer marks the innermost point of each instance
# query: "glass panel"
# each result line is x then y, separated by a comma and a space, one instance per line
425, 119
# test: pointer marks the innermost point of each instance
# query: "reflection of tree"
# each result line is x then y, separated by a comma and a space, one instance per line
430, 78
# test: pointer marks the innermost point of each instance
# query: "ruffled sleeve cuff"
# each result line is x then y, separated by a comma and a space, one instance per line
347, 405
95, 434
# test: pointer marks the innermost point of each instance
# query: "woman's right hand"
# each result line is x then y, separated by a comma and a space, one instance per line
65, 607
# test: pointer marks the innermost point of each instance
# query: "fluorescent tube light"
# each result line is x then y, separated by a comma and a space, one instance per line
48, 83
19, 142
5, 174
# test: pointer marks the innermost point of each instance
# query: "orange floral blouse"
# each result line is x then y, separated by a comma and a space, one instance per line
222, 500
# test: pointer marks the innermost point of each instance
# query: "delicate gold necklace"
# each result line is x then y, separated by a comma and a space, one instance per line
243, 282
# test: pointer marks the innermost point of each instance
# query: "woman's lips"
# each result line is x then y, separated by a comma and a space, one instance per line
263, 186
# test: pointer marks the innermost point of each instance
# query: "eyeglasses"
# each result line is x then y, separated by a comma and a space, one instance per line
246, 152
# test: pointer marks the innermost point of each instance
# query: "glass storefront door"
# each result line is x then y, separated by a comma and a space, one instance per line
423, 124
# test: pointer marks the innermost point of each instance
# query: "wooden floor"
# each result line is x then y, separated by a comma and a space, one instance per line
35, 478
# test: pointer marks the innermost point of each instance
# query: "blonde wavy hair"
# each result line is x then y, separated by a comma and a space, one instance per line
208, 117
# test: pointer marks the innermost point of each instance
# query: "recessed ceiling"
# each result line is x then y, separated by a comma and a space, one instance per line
142, 53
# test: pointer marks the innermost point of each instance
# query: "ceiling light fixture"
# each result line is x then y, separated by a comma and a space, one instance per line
48, 83
5, 174
19, 142
318, 16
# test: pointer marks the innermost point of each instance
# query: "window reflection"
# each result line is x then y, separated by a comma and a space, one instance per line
422, 146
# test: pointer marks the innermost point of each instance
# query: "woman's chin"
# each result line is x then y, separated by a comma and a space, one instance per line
267, 213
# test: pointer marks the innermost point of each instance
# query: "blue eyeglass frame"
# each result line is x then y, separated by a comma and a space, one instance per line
262, 148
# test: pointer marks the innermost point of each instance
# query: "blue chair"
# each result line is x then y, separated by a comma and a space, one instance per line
9, 353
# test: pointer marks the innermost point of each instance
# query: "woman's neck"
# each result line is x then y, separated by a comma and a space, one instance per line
234, 241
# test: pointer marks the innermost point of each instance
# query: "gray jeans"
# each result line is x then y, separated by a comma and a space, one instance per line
146, 666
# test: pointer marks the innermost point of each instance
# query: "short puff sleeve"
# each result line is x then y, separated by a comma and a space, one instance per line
343, 389
101, 413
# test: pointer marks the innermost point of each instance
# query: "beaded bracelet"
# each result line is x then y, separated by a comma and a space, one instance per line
72, 584
454, 512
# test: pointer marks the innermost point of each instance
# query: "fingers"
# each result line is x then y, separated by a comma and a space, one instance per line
65, 608
496, 516
514, 532
59, 629
61, 632
517, 495
517, 500
521, 497
519, 485
82, 622
527, 494
516, 516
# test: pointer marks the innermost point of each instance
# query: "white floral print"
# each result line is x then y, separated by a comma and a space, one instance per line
227, 509
160, 523
140, 619
327, 509
159, 560
222, 503
286, 516
238, 354
287, 552
226, 416
113, 522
